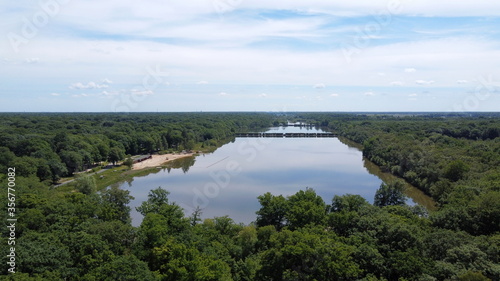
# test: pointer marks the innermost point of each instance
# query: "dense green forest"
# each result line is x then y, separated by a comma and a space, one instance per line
82, 233
51, 146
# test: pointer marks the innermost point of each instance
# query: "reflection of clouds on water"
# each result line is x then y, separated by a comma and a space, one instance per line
282, 166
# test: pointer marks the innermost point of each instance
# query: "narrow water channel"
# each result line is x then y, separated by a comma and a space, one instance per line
228, 181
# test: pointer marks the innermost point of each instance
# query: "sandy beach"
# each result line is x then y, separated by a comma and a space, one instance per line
158, 160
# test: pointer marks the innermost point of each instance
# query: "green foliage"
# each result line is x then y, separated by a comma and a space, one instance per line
114, 204
176, 261
304, 208
455, 170
273, 210
307, 254
122, 268
156, 199
128, 162
116, 154
347, 203
158, 203
485, 210
73, 160
86, 184
118, 236
473, 276
42, 252
87, 251
296, 211
390, 194
441, 190
6, 157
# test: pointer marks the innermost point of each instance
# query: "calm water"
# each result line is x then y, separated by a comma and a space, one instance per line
228, 181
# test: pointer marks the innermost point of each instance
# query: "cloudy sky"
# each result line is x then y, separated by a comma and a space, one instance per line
249, 55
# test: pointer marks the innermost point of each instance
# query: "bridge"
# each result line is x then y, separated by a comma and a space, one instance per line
285, 135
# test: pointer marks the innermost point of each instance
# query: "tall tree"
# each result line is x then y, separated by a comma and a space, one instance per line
86, 184
305, 207
115, 204
116, 154
273, 210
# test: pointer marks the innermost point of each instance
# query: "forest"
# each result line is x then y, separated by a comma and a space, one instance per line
83, 232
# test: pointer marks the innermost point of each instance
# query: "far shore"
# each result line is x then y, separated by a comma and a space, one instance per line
158, 160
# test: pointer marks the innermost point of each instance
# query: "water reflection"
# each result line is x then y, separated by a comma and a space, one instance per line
416, 196
182, 163
228, 181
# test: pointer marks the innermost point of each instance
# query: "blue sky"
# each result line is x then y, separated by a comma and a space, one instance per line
240, 55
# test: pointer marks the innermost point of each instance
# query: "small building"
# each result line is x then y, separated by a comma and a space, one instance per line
139, 159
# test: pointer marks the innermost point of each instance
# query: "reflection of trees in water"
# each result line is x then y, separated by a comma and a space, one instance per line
417, 195
182, 163
414, 193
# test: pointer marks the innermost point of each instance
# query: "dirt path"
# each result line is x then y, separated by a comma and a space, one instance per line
158, 160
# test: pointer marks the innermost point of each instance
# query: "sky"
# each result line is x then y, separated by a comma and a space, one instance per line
242, 55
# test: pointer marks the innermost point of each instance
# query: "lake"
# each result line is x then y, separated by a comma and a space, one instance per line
228, 181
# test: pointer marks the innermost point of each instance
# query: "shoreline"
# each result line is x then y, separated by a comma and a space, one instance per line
159, 160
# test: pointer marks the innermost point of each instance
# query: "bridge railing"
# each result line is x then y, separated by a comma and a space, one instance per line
285, 135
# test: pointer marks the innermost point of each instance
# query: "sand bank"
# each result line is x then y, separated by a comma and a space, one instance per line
158, 160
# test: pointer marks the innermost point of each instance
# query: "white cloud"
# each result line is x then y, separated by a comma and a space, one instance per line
194, 43
444, 60
89, 85
397, 83
106, 93
77, 85
223, 94
32, 60
424, 82
81, 95
263, 95
202, 82
319, 86
413, 95
180, 10
334, 95
462, 81
141, 92
55, 94
369, 93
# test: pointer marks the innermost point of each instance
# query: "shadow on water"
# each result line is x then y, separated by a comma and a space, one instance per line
417, 195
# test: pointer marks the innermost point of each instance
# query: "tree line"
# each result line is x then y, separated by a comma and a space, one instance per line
51, 146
